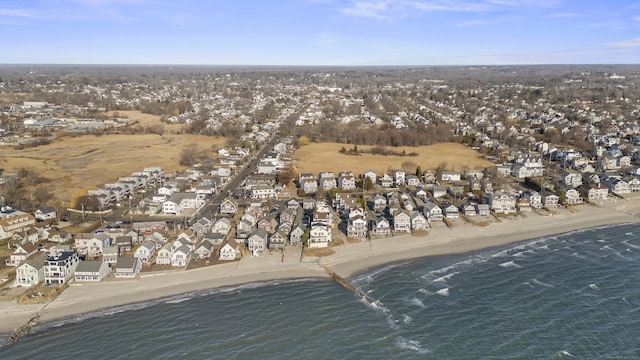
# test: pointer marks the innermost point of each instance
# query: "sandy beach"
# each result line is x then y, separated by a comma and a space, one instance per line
349, 259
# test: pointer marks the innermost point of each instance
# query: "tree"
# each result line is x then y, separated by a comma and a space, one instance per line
367, 184
89, 203
286, 175
419, 172
409, 167
42, 195
188, 155
303, 140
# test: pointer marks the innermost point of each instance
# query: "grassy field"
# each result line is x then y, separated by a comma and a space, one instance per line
146, 120
76, 164
317, 157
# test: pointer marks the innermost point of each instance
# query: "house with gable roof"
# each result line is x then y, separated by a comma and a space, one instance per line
229, 251
30, 272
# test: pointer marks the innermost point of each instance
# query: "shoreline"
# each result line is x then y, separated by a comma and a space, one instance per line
348, 260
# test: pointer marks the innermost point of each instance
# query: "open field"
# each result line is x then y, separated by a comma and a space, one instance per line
147, 120
317, 157
76, 164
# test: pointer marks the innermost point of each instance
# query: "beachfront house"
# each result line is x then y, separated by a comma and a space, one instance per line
59, 267
357, 227
468, 210
572, 196
596, 192
229, 251
30, 272
418, 221
432, 211
204, 250
402, 221
550, 200
523, 205
534, 197
319, 235
502, 202
257, 241
127, 267
164, 255
483, 209
277, 240
181, 256
91, 271
380, 226
450, 211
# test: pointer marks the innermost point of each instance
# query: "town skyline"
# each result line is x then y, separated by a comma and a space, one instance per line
321, 32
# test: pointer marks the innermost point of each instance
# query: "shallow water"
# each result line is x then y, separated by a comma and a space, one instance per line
575, 295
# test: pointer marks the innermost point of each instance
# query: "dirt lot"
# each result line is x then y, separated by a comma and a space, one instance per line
76, 164
317, 157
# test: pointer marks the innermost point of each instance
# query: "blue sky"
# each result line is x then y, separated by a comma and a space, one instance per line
320, 32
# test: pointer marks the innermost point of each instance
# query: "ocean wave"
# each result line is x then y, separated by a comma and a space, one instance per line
178, 301
369, 277
443, 292
379, 307
541, 283
406, 319
417, 302
510, 264
564, 353
442, 279
411, 345
578, 255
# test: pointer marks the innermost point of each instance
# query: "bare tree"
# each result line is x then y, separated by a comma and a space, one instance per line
42, 195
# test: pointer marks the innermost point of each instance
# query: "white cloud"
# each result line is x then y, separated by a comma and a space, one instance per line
328, 40
627, 43
374, 9
385, 9
15, 12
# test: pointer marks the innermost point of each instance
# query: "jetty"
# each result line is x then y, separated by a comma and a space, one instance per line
23, 330
345, 284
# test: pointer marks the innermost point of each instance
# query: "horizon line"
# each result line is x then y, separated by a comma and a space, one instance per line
316, 65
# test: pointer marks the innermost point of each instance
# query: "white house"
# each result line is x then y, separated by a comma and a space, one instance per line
229, 251
319, 236
59, 268
91, 271
164, 255
181, 256
145, 251
127, 267
502, 202
30, 272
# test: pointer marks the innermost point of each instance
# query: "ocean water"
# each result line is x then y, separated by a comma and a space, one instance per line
575, 295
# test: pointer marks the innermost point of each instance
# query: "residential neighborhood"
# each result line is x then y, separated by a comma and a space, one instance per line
247, 199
